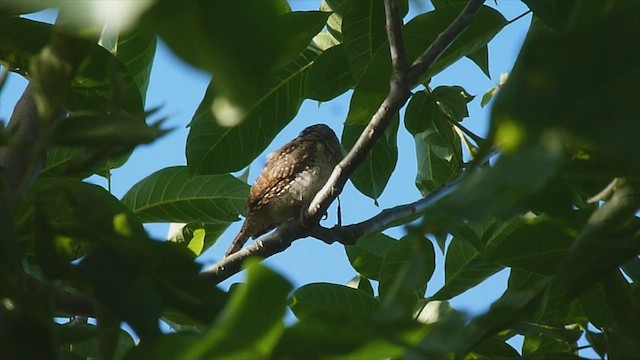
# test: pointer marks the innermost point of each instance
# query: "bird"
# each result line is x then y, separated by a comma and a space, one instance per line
289, 181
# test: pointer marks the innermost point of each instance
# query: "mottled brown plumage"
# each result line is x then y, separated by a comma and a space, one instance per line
289, 181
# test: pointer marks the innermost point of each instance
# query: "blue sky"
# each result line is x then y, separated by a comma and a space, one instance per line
178, 88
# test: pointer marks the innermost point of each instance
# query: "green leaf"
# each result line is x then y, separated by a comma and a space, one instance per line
198, 236
421, 112
172, 195
255, 310
241, 43
214, 149
367, 254
554, 13
21, 7
538, 246
118, 131
590, 302
493, 347
59, 160
363, 31
632, 269
623, 308
365, 285
548, 341
326, 300
481, 58
80, 340
329, 76
464, 269
334, 23
407, 267
438, 149
136, 49
101, 76
96, 142
595, 117
372, 176
504, 189
452, 101
124, 290
81, 211
433, 171
347, 339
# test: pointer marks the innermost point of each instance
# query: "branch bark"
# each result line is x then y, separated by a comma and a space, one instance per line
17, 157
403, 78
22, 158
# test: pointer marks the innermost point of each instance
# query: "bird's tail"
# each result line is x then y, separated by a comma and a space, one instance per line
238, 242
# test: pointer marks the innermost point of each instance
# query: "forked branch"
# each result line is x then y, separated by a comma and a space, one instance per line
403, 79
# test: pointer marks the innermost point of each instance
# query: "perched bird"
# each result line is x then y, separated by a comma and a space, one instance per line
289, 181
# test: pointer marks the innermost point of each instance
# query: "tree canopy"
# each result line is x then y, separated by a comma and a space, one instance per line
550, 193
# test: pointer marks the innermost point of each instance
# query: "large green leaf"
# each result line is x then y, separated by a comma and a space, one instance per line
407, 267
125, 290
363, 31
554, 13
173, 195
624, 309
464, 269
79, 210
240, 42
334, 22
136, 49
372, 175
94, 86
481, 58
428, 118
367, 254
114, 132
329, 76
597, 118
504, 189
214, 149
331, 337
331, 301
78, 339
537, 247
255, 310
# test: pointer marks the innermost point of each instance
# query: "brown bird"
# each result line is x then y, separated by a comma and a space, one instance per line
289, 181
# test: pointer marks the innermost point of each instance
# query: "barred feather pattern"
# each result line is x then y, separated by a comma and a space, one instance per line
289, 181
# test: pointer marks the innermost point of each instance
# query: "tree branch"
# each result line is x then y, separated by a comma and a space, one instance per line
16, 158
403, 78
396, 42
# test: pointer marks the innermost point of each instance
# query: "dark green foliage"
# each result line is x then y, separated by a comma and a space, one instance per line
562, 129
